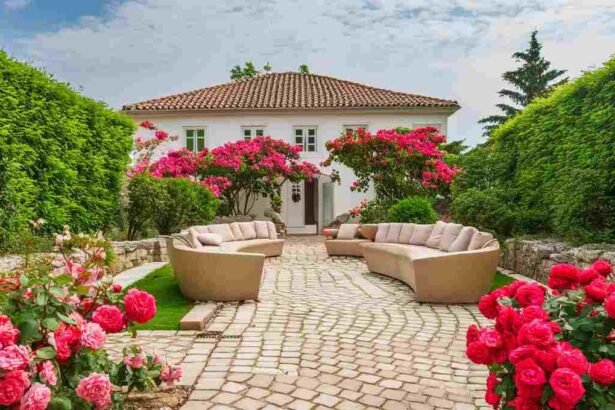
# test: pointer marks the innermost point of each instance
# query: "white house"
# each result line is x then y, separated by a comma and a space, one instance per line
303, 109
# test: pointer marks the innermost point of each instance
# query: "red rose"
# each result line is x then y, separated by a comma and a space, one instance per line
537, 333
529, 375
532, 313
522, 403
490, 338
161, 135
547, 359
472, 334
140, 306
573, 359
609, 306
510, 290
603, 267
110, 318
8, 332
603, 372
147, 125
66, 339
596, 290
587, 275
13, 386
531, 294
557, 403
521, 353
488, 306
567, 386
562, 276
479, 353
491, 397
508, 320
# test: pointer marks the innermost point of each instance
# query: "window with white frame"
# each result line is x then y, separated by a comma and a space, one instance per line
306, 138
247, 133
354, 127
195, 139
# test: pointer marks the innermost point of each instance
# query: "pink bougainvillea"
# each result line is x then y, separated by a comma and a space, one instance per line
549, 348
240, 172
399, 163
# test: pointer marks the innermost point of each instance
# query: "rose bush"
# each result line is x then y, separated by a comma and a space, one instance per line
55, 314
550, 348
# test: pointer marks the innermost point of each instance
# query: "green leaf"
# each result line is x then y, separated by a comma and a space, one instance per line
41, 299
66, 319
82, 290
46, 353
23, 279
51, 324
64, 280
60, 403
30, 331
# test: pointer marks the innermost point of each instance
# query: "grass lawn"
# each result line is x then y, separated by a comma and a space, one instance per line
170, 302
501, 281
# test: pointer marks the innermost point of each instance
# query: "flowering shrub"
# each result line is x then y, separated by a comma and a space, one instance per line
550, 349
399, 163
239, 172
55, 315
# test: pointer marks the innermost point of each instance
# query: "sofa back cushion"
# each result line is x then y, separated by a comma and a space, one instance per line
192, 237
201, 228
436, 235
393, 233
262, 232
451, 232
347, 231
210, 239
383, 230
237, 233
224, 230
462, 241
273, 234
406, 233
420, 234
479, 239
247, 230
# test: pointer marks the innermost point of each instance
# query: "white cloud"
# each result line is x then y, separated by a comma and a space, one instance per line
453, 49
16, 4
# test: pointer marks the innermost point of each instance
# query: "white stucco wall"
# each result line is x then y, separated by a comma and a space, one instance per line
225, 127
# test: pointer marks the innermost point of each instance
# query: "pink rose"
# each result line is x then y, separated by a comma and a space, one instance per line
110, 318
66, 341
8, 333
14, 357
171, 374
92, 336
140, 306
161, 135
13, 386
37, 398
116, 288
567, 386
603, 372
95, 389
135, 362
47, 372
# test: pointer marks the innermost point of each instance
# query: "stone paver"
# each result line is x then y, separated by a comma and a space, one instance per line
326, 333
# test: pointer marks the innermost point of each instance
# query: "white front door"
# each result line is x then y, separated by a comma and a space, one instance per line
295, 208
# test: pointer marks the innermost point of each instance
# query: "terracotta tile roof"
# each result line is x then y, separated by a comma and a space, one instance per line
288, 91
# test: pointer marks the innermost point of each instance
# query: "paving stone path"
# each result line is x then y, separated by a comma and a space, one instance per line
326, 333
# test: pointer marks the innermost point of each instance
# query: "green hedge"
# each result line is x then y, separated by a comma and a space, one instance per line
555, 161
62, 156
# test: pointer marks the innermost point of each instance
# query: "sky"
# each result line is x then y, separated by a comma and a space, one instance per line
123, 51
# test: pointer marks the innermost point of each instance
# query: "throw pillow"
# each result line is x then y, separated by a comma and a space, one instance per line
223, 230
421, 234
479, 239
451, 232
347, 231
436, 235
210, 239
462, 241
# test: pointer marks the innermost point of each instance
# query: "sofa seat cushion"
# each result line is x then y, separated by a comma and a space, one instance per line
237, 246
345, 247
419, 252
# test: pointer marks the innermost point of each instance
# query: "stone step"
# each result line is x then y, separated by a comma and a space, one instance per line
198, 317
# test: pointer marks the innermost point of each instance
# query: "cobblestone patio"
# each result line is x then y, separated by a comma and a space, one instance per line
326, 333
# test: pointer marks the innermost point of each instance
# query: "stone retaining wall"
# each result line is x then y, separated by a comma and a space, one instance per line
129, 254
534, 258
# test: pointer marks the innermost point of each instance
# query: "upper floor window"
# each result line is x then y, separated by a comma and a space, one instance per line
354, 127
305, 137
248, 133
195, 139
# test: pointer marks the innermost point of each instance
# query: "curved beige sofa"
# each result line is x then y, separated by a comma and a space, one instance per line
229, 270
443, 263
349, 245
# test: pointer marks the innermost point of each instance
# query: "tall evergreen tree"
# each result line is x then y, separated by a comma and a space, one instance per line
534, 78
